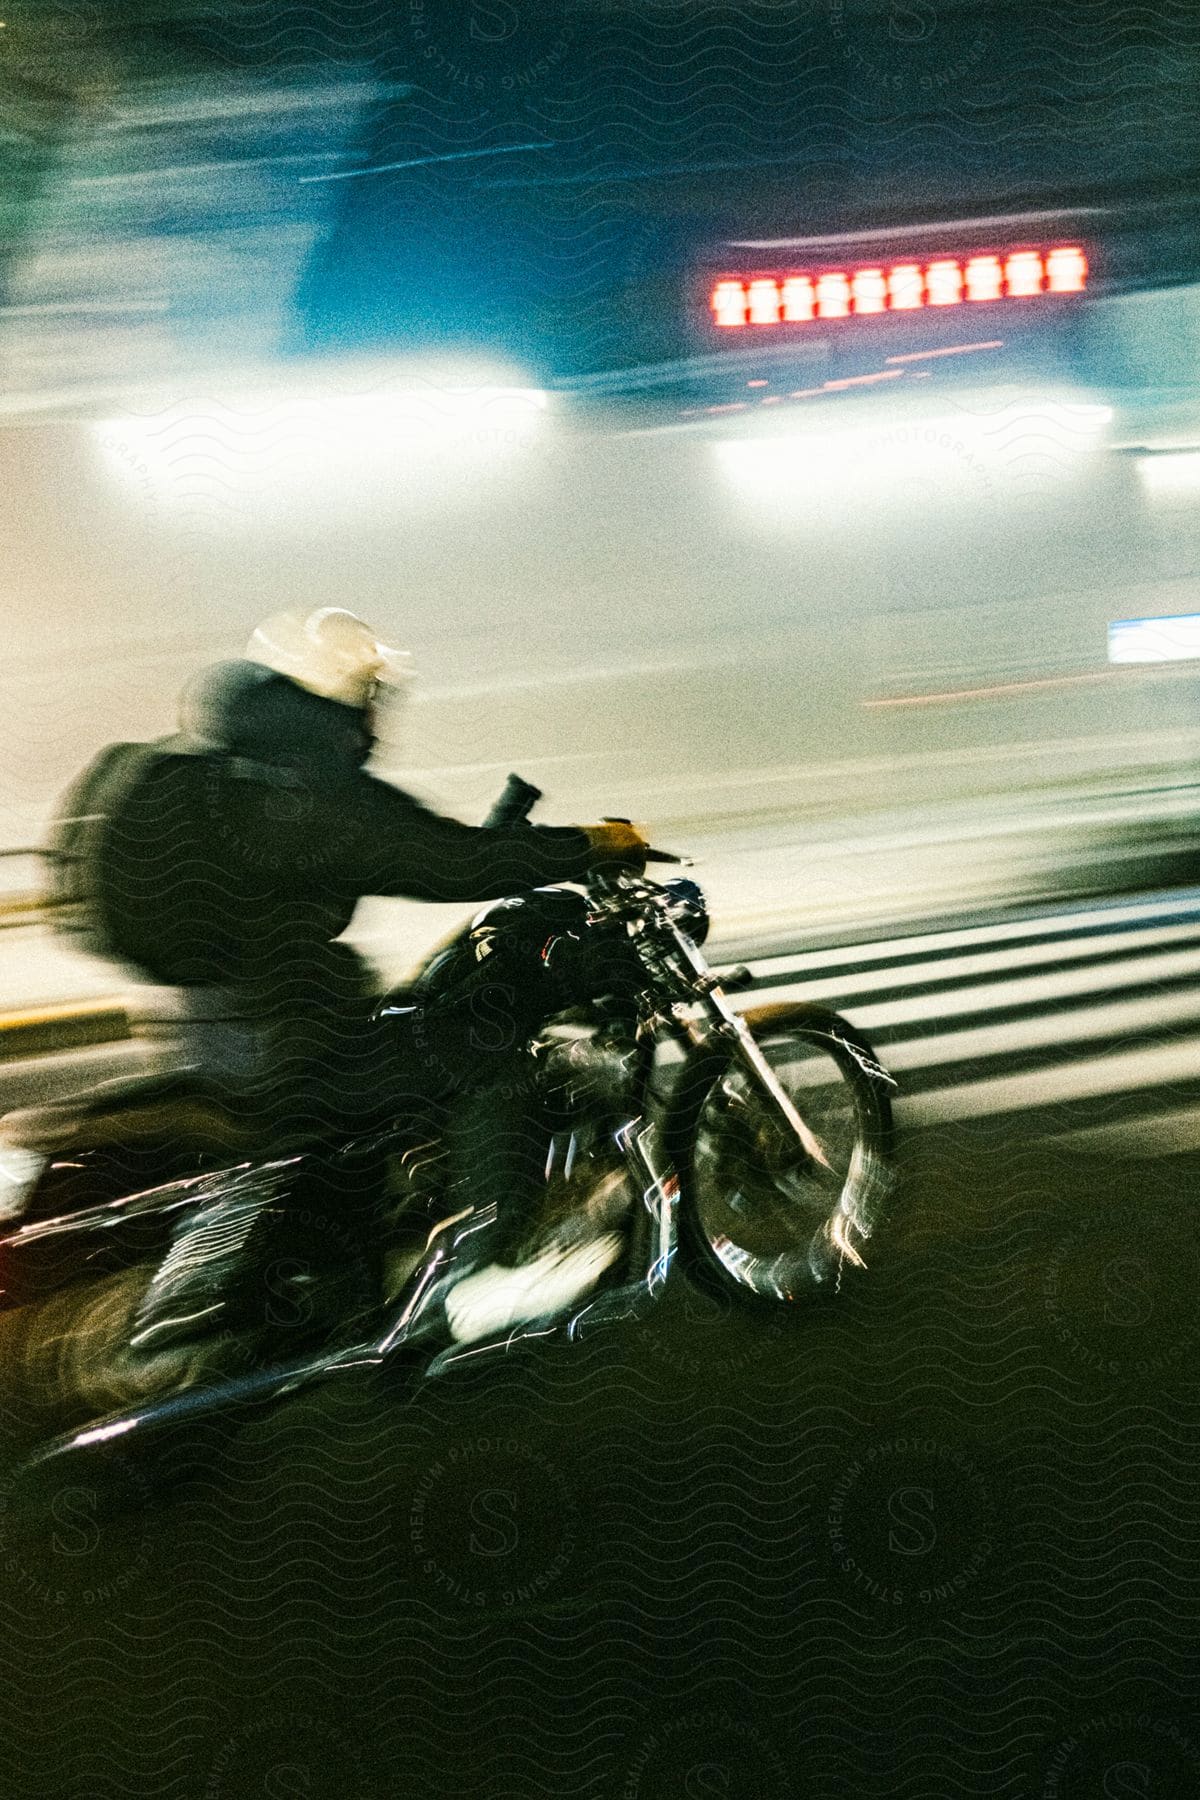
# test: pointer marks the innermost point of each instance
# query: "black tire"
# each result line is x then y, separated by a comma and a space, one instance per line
757, 1217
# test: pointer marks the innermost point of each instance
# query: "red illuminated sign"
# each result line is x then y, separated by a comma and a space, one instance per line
800, 296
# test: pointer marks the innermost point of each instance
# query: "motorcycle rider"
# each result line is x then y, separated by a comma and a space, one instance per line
228, 861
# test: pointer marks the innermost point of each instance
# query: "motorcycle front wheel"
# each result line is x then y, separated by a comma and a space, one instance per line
759, 1214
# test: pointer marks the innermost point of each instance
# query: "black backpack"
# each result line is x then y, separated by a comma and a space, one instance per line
135, 865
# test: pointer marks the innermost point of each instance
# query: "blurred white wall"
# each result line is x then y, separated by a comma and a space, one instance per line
673, 624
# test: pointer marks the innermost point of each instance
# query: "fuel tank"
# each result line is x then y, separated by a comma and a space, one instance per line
521, 960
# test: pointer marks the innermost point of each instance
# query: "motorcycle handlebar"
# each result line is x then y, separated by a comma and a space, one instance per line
515, 803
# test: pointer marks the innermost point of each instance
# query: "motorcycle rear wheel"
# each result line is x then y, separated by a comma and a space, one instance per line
758, 1217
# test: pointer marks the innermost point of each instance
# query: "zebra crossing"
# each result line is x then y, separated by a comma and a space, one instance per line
1086, 1021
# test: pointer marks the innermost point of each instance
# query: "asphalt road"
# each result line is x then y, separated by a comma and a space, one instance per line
935, 1539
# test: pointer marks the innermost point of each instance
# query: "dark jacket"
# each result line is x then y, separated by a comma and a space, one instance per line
239, 850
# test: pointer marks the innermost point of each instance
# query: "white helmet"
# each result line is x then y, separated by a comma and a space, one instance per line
331, 653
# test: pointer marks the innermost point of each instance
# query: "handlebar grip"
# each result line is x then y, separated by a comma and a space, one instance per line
663, 856
515, 803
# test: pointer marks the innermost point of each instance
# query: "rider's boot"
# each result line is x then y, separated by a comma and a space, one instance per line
498, 1296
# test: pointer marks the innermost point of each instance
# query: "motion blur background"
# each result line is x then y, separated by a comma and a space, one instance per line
403, 307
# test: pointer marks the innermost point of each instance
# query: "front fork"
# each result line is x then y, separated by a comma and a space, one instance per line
747, 1051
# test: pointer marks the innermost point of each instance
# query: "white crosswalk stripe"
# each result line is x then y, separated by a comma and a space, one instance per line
1017, 956
1089, 1018
1185, 909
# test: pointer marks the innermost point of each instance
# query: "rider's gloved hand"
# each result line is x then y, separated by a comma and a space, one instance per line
616, 844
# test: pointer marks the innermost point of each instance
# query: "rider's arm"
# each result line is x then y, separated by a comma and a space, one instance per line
404, 848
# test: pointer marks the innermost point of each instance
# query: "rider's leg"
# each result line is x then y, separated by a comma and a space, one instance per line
265, 1254
498, 1140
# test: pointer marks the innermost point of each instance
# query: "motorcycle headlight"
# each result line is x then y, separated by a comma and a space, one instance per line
687, 907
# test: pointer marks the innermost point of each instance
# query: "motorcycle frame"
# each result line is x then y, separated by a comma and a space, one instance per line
414, 1323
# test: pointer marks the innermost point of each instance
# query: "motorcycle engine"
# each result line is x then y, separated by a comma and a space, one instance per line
588, 1073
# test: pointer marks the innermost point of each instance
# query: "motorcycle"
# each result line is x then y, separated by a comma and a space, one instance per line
746, 1150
